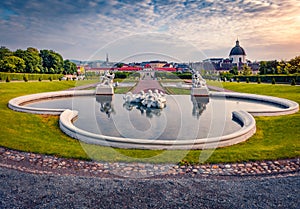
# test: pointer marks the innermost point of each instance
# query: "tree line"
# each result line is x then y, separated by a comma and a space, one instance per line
280, 67
33, 60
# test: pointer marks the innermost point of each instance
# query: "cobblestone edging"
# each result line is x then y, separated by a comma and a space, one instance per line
44, 164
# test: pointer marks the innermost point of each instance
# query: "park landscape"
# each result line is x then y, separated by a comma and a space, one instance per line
117, 54
276, 137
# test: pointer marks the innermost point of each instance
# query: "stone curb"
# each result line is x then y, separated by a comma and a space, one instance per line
45, 164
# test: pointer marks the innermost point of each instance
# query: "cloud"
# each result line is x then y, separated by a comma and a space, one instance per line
77, 28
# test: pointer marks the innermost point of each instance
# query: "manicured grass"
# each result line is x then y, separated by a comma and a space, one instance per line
174, 90
276, 137
35, 133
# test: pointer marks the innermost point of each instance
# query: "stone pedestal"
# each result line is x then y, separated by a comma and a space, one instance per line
104, 90
200, 92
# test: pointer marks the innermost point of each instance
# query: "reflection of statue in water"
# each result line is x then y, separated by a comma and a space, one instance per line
106, 105
199, 105
107, 108
197, 80
150, 112
107, 78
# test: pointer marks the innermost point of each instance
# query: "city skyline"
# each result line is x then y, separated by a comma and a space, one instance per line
166, 30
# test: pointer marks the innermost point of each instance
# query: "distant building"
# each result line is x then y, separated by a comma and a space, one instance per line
237, 55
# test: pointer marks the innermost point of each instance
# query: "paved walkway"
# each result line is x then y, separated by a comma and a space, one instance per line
147, 82
24, 190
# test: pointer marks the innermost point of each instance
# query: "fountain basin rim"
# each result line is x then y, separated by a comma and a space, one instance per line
67, 117
68, 127
290, 107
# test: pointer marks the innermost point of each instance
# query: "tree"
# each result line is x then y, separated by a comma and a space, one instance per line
246, 70
268, 67
4, 52
234, 70
294, 65
69, 67
32, 59
12, 64
52, 61
263, 68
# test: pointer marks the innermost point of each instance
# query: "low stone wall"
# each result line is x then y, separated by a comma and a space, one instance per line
247, 130
290, 107
17, 104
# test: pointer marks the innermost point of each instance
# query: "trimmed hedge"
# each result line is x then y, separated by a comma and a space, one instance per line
28, 76
122, 75
269, 78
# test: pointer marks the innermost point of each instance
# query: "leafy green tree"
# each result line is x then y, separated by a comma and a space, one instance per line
234, 70
268, 67
294, 65
12, 64
69, 67
32, 59
263, 68
52, 61
4, 52
246, 70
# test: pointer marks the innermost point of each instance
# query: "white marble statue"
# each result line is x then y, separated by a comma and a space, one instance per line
107, 78
197, 80
150, 99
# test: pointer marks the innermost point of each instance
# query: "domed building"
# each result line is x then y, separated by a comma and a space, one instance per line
237, 55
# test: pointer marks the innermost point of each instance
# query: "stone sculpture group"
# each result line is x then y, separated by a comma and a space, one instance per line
106, 84
150, 99
197, 80
107, 78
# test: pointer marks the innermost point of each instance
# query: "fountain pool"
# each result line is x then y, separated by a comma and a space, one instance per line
187, 122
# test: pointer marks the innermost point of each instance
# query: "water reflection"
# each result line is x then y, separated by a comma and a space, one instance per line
199, 105
106, 105
150, 112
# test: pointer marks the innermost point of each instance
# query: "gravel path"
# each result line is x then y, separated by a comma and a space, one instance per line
24, 190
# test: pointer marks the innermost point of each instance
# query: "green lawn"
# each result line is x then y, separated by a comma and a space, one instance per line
276, 137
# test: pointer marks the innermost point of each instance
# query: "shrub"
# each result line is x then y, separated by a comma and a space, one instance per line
273, 81
293, 83
25, 78
7, 79
122, 75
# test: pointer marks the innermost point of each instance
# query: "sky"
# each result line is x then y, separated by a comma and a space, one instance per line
171, 30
